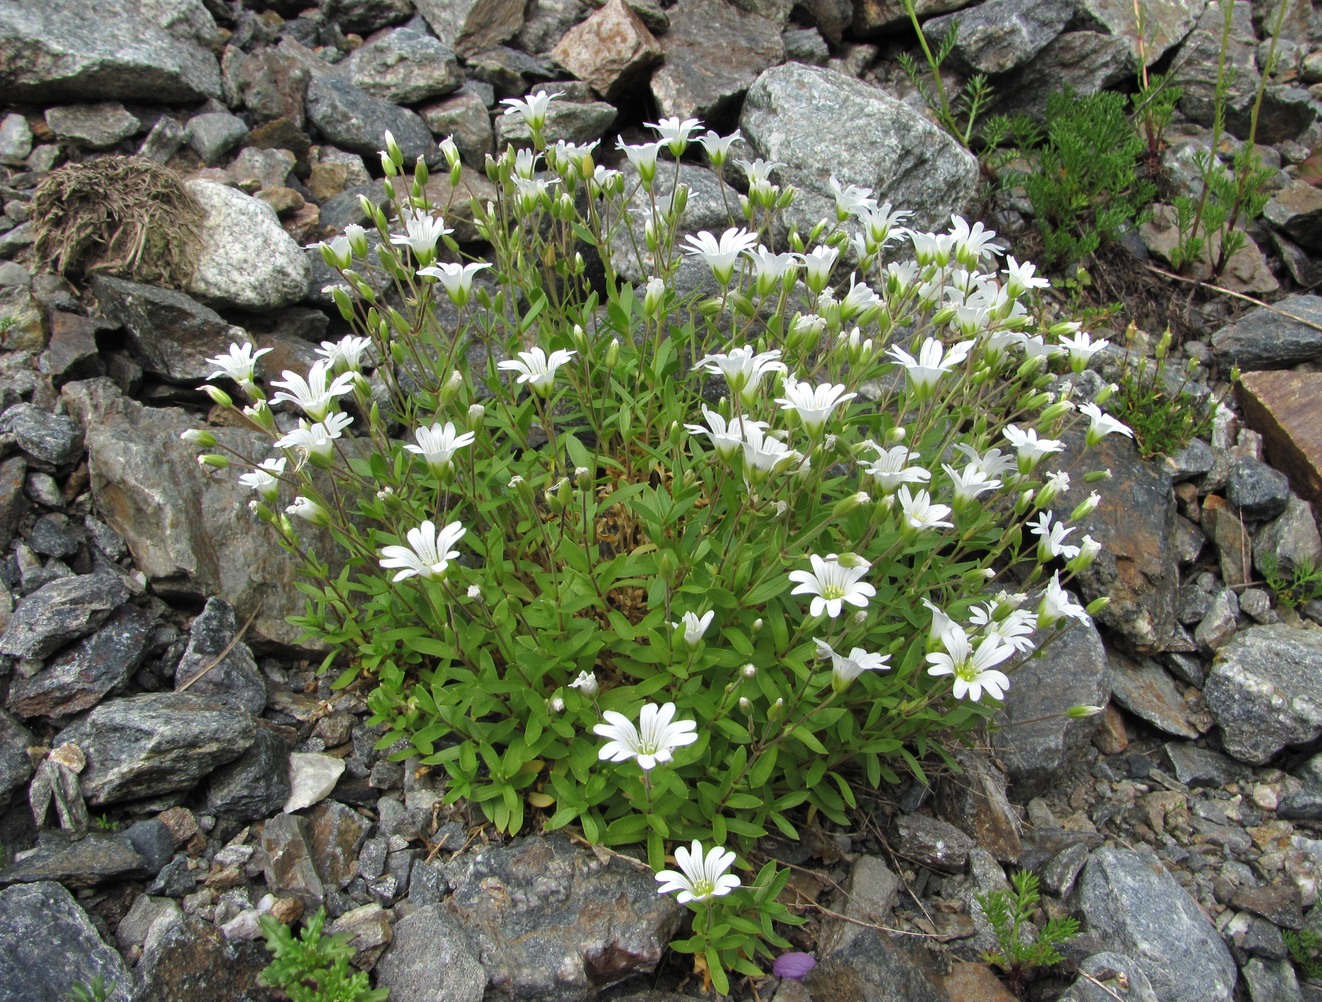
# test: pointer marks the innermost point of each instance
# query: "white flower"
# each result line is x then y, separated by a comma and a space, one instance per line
1019, 278
718, 147
535, 368
1034, 347
1029, 447
817, 265
1101, 424
1051, 538
969, 482
850, 200
939, 622
813, 404
421, 231
264, 480
348, 349
831, 583
428, 554
1015, 628
315, 394
525, 162
642, 156
974, 671
726, 438
1057, 603
758, 173
846, 669
438, 444
309, 511
764, 454
1058, 482
586, 683
993, 463
769, 269
702, 877
474, 592
878, 221
889, 469
694, 626
316, 440
1082, 347
675, 132
932, 363
720, 254
742, 368
237, 363
969, 245
532, 108
920, 513
658, 738
457, 278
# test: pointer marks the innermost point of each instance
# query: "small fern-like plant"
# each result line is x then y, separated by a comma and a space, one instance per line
95, 990
1305, 948
956, 115
1008, 912
313, 967
1292, 588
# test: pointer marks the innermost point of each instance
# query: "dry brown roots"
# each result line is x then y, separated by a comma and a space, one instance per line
125, 216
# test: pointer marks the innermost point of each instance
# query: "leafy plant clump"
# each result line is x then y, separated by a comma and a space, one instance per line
1305, 946
1294, 586
125, 216
1159, 405
1008, 912
673, 565
95, 990
313, 967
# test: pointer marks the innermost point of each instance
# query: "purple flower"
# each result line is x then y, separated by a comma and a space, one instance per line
793, 965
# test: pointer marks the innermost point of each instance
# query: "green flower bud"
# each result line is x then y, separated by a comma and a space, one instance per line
198, 437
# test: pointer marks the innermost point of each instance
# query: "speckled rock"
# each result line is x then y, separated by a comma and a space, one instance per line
48, 944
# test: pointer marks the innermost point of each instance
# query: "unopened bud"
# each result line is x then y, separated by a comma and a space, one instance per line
218, 396
1083, 710
196, 436
749, 670
214, 460
556, 705
476, 414
1085, 507
1097, 605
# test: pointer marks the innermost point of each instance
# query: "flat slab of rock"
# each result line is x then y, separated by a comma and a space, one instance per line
1281, 407
59, 612
355, 120
469, 26
1145, 689
1272, 337
1265, 690
48, 944
999, 35
431, 959
155, 743
1139, 910
94, 859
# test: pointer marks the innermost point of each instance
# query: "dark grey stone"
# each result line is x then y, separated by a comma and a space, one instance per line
1121, 979
1266, 338
933, 843
354, 120
1000, 35
15, 766
53, 536
1086, 61
1271, 981
287, 843
713, 54
256, 784
1144, 688
871, 966
59, 612
193, 960
213, 134
48, 438
163, 141
405, 67
1194, 766
156, 743
431, 959
48, 945
364, 16
217, 665
1257, 490
94, 859
96, 126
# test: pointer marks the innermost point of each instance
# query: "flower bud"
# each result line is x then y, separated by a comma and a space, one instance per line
214, 460
449, 150
1085, 507
1083, 710
749, 670
218, 396
309, 511
653, 297
393, 151
846, 505
198, 437
613, 353
476, 414
776, 710
556, 705
1057, 410
1096, 476
745, 704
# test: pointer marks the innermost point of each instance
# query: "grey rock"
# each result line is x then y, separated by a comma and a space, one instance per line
405, 67
508, 71
822, 123
15, 766
213, 134
1305, 805
48, 944
805, 45
1194, 766
570, 121
975, 802
1139, 910
155, 743
369, 932
1166, 23
1264, 691
546, 22
255, 785
431, 959
48, 438
163, 141
469, 26
1199, 57
246, 259
1059, 875
78, 678
1289, 541
870, 896
1218, 624
465, 118
1296, 210
1269, 338
148, 488
1271, 981
95, 858
335, 835
1258, 491
52, 50
713, 54
1085, 61
871, 967
147, 910
1121, 978
171, 334
1256, 603
363, 16
563, 922
15, 139
354, 120
13, 499
931, 842
286, 842
1143, 688
59, 612
191, 959
1034, 739
95, 126
53, 536
219, 666
1000, 35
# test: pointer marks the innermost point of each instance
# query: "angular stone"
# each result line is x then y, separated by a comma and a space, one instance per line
15, 765
147, 911
1166, 23
1296, 210
1219, 623
1278, 903
77, 679
369, 931
1245, 270
246, 259
1108, 977
312, 777
1194, 766
610, 51
1000, 35
213, 134
48, 438
171, 334
1290, 541
96, 858
1199, 58
874, 16
1226, 529
48, 944
465, 118
149, 489
1265, 692
713, 54
431, 959
1272, 337
95, 126
365, 16
976, 802
933, 843
337, 833
1144, 689
551, 921
155, 743
969, 981
822, 123
1278, 405
1258, 491
872, 966
469, 26
255, 785
1086, 61
289, 868
870, 896
217, 665
1138, 909
52, 50
272, 85
13, 502
405, 67
1034, 739
193, 960
354, 120
15, 139
59, 612
71, 352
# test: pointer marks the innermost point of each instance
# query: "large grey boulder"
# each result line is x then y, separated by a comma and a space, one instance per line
819, 123
1274, 337
1265, 690
158, 742
59, 612
53, 50
354, 120
431, 959
246, 258
191, 534
1000, 35
48, 945
405, 66
1137, 909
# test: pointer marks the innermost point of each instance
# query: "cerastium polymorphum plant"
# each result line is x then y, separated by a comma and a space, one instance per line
672, 565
